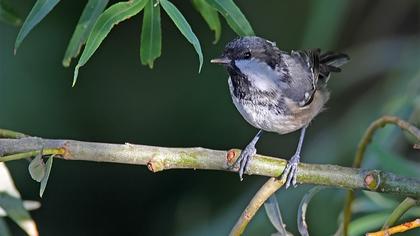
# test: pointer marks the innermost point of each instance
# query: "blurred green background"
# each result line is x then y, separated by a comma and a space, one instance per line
118, 100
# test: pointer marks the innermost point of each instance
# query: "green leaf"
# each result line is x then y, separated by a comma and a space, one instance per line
88, 18
272, 209
4, 230
211, 16
367, 223
37, 168
301, 220
44, 180
151, 39
16, 211
184, 27
11, 203
8, 15
113, 15
38, 12
233, 15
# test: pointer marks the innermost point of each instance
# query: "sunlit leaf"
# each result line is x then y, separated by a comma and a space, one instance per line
38, 12
273, 212
184, 27
151, 38
28, 205
44, 180
233, 15
107, 20
301, 220
11, 203
88, 18
211, 16
37, 168
15, 210
8, 15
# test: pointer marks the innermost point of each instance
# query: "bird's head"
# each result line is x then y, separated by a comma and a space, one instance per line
249, 48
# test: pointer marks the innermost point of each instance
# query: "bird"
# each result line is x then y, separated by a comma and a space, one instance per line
277, 91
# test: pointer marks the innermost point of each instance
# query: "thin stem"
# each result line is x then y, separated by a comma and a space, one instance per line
397, 229
23, 155
269, 188
399, 211
364, 142
4, 133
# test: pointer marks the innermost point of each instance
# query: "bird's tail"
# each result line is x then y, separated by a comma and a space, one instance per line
331, 62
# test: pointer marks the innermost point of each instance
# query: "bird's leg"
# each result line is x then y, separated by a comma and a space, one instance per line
246, 155
289, 173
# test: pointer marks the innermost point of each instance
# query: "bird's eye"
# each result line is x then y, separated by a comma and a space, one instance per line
247, 55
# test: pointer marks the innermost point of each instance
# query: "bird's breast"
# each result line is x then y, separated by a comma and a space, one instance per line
271, 112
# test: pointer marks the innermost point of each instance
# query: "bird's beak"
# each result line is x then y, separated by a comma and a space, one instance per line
220, 60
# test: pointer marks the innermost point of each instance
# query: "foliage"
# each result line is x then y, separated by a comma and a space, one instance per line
95, 24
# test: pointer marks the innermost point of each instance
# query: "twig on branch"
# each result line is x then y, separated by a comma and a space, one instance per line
397, 229
364, 142
269, 188
4, 133
399, 211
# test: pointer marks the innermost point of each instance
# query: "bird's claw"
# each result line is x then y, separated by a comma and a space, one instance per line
244, 159
290, 172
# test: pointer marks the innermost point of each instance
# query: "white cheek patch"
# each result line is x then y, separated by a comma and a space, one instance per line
259, 73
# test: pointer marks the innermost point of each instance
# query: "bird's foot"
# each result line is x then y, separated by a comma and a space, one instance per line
289, 174
244, 159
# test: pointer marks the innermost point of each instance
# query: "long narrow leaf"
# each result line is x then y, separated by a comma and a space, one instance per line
38, 12
15, 210
11, 203
233, 15
301, 220
8, 14
274, 215
44, 180
113, 15
211, 16
184, 27
4, 230
88, 18
151, 35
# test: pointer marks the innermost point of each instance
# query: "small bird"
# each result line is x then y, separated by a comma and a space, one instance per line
277, 91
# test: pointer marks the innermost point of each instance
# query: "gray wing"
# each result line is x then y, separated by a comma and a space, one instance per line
299, 74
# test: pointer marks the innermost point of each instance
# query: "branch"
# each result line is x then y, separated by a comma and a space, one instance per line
364, 142
397, 229
163, 158
268, 189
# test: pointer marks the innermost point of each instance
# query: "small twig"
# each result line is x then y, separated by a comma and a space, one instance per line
4, 133
397, 229
269, 188
402, 208
23, 155
364, 142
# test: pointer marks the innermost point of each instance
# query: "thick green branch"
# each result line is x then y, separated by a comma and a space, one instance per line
162, 158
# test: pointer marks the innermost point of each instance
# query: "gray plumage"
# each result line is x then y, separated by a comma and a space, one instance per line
277, 91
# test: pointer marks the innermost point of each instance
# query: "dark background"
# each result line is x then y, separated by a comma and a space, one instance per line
118, 100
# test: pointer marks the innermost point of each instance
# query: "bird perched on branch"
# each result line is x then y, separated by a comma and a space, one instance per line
277, 91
